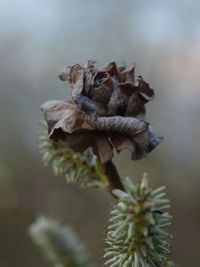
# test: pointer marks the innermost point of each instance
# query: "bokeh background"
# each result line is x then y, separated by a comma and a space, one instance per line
40, 37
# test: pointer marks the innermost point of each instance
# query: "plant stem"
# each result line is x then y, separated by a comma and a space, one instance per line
113, 177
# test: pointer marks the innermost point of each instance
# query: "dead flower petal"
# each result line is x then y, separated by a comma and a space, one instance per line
111, 69
66, 116
144, 89
102, 147
128, 75
108, 110
122, 141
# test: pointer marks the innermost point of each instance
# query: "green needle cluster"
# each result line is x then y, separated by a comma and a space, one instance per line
137, 235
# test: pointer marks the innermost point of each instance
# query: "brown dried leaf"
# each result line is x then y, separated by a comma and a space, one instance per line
140, 145
122, 141
77, 80
89, 106
144, 89
98, 78
143, 136
102, 148
135, 106
90, 70
119, 99
64, 75
88, 79
111, 69
121, 68
108, 84
90, 64
154, 139
100, 95
128, 75
145, 143
65, 116
75, 76
128, 125
101, 88
79, 142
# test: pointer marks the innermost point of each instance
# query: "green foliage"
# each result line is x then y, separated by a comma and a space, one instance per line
83, 168
136, 235
59, 243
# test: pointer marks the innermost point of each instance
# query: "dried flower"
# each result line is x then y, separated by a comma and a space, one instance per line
107, 111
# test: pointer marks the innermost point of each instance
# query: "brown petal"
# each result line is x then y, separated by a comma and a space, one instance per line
98, 77
128, 125
135, 106
90, 64
88, 80
126, 88
101, 88
90, 70
144, 89
119, 99
64, 75
108, 83
79, 142
89, 106
122, 141
102, 147
121, 68
141, 149
77, 80
139, 145
112, 69
143, 136
65, 116
128, 75
75, 76
117, 104
145, 143
154, 139
100, 95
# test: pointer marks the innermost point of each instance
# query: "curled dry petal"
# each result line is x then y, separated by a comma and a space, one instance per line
128, 75
75, 76
144, 89
107, 111
65, 116
111, 69
102, 147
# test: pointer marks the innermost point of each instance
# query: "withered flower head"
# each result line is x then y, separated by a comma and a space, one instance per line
107, 111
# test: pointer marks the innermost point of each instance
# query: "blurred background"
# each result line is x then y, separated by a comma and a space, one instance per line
37, 39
